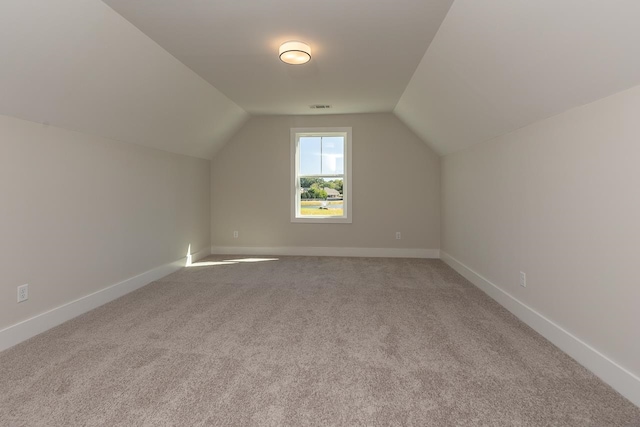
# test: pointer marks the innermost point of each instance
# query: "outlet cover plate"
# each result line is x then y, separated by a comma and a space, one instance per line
23, 293
523, 279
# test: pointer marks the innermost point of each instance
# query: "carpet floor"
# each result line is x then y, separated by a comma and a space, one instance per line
302, 341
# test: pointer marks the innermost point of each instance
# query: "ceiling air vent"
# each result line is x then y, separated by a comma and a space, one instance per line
319, 107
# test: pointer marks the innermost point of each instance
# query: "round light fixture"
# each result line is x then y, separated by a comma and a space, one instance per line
295, 53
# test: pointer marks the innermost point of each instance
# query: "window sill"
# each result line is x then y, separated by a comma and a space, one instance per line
321, 220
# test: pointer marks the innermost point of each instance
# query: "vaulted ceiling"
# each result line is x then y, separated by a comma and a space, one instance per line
363, 52
182, 76
498, 65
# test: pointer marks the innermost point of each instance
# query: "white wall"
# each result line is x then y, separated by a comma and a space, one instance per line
79, 213
560, 201
395, 187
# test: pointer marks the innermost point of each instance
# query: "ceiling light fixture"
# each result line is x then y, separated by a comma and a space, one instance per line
295, 53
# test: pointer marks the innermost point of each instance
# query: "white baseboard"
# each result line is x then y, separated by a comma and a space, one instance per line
26, 329
623, 381
324, 251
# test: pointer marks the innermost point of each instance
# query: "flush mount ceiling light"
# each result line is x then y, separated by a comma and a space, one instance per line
295, 53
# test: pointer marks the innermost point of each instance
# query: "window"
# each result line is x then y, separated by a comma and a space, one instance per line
321, 175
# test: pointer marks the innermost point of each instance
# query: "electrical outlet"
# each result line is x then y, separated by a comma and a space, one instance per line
523, 279
235, 234
23, 293
398, 235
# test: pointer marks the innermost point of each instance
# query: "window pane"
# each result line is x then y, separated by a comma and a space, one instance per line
310, 157
321, 197
333, 155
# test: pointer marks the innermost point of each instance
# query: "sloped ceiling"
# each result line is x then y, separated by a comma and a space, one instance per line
78, 65
363, 52
456, 74
497, 65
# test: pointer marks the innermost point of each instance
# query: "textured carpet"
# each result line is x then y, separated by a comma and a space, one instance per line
302, 341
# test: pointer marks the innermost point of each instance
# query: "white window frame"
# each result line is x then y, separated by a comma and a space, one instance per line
296, 133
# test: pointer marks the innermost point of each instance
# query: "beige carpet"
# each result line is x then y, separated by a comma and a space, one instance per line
302, 341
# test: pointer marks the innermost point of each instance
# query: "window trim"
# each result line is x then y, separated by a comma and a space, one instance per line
346, 183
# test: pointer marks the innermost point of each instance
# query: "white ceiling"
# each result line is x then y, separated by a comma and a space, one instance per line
363, 52
456, 74
498, 65
78, 65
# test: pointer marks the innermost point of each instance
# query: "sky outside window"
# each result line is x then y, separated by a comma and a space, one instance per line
322, 155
